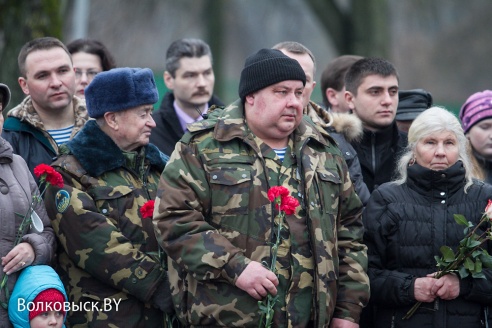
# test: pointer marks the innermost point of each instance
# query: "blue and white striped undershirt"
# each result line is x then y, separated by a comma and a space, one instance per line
61, 136
280, 153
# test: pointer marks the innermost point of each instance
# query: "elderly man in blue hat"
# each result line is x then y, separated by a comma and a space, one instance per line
109, 260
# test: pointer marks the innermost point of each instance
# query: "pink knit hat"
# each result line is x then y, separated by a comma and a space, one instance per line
476, 108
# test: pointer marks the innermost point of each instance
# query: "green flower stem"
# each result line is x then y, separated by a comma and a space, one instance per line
459, 258
267, 305
23, 228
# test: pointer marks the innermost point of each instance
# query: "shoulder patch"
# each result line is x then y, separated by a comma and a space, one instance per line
62, 200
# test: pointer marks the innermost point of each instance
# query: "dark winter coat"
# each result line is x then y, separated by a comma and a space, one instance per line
405, 227
168, 129
378, 154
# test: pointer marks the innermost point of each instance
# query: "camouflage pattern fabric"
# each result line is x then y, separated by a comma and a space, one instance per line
213, 217
108, 253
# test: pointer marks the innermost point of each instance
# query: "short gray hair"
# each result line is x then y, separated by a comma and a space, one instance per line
185, 48
296, 48
432, 120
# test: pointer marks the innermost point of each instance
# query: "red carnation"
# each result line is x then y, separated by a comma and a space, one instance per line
289, 205
277, 191
147, 210
48, 174
42, 169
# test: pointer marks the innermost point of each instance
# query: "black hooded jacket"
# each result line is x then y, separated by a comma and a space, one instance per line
378, 154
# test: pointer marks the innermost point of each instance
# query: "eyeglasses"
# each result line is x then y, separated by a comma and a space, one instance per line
91, 74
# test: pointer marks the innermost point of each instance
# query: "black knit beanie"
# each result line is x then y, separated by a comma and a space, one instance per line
267, 67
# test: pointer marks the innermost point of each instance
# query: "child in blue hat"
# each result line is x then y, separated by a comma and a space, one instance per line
38, 299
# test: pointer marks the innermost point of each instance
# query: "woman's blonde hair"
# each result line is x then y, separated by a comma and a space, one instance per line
432, 120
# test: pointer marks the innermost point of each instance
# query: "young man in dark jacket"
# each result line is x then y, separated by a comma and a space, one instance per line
372, 94
190, 77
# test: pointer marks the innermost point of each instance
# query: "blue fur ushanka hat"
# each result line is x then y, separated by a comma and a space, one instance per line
119, 89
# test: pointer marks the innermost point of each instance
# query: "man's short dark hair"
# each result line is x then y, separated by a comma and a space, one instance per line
365, 67
334, 74
44, 43
185, 48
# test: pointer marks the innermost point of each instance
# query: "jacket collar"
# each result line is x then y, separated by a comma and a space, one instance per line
92, 143
28, 117
439, 183
229, 124
25, 112
389, 135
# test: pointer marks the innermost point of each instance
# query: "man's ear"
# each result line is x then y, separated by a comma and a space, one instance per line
111, 120
23, 84
168, 80
331, 95
349, 98
250, 99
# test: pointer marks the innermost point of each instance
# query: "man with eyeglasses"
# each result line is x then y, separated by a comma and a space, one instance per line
50, 115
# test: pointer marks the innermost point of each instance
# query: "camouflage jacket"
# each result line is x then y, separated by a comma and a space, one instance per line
213, 217
108, 252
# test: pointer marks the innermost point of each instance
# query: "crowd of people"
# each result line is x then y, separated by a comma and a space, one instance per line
270, 211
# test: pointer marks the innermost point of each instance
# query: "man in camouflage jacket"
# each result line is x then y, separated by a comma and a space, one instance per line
214, 220
109, 259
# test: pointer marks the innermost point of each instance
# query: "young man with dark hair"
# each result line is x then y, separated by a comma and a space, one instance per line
372, 94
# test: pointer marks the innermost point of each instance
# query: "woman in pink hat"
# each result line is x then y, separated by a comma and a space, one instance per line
476, 120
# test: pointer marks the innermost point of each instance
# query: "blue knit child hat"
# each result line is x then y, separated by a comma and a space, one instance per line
119, 89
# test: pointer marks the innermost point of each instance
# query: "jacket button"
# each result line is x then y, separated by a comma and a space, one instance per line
104, 211
443, 175
443, 193
134, 280
244, 176
214, 177
443, 202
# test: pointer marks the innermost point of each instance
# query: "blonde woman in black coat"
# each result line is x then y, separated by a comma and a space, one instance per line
408, 220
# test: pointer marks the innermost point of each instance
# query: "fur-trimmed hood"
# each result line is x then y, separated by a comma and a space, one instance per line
349, 125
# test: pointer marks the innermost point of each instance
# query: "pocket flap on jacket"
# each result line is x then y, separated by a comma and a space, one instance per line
229, 177
329, 177
107, 192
